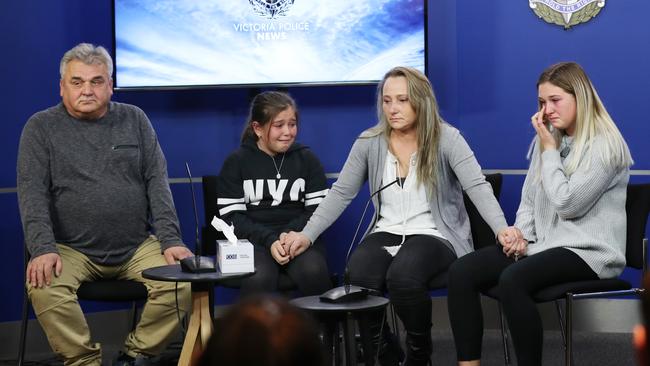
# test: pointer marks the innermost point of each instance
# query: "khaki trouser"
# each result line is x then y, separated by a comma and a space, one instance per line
62, 319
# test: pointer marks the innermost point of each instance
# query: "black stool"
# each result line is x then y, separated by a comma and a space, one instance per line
335, 316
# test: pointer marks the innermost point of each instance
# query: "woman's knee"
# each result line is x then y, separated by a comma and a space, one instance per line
315, 269
510, 283
400, 280
461, 271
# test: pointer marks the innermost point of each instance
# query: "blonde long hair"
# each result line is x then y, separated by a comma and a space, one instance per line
428, 122
592, 118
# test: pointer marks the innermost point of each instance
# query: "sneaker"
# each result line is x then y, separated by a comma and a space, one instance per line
123, 359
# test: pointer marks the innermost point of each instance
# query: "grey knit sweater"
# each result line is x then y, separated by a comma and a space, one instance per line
458, 170
584, 212
97, 186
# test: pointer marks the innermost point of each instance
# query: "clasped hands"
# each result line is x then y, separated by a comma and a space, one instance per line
289, 246
513, 242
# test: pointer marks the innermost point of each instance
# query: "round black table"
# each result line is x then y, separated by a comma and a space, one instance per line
334, 315
200, 326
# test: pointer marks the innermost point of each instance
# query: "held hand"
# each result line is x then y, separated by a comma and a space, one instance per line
279, 253
296, 243
173, 254
39, 269
298, 247
517, 250
545, 136
513, 242
509, 236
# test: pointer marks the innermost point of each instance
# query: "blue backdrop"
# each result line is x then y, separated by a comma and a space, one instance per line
484, 59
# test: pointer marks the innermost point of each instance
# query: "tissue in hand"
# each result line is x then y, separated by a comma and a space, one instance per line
233, 255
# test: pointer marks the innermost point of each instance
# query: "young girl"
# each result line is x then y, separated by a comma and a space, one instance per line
269, 186
570, 224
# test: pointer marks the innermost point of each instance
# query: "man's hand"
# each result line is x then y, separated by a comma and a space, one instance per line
39, 269
173, 254
279, 253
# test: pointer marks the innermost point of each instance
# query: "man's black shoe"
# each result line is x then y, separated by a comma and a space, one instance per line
125, 360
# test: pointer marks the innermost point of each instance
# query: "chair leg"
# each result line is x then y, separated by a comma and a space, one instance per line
395, 323
504, 335
560, 318
134, 315
23, 330
568, 353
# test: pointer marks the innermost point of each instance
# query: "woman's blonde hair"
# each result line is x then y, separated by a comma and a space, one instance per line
428, 122
592, 118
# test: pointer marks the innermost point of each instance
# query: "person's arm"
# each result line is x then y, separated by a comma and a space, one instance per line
463, 162
525, 219
33, 182
315, 190
161, 204
346, 187
232, 206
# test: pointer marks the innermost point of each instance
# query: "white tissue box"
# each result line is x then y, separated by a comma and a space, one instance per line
235, 258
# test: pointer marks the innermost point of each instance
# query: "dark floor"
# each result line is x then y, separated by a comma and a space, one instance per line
600, 349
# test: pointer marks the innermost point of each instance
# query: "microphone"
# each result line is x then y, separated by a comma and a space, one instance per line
348, 292
197, 263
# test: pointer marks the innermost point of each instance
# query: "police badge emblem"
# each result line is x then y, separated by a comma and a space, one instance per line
566, 13
271, 8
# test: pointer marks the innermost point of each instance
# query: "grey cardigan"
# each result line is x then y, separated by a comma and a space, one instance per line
584, 212
458, 170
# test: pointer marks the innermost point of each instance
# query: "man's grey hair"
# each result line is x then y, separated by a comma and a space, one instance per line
88, 54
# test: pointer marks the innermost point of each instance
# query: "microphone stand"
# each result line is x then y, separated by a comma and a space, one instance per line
349, 292
197, 263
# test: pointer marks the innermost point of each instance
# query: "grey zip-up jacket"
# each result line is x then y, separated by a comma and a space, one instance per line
458, 170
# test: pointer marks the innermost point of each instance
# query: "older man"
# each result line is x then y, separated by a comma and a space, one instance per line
93, 190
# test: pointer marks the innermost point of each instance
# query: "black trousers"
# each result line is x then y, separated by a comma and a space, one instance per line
404, 276
517, 282
308, 271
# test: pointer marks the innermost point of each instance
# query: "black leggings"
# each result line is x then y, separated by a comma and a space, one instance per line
308, 271
405, 276
517, 281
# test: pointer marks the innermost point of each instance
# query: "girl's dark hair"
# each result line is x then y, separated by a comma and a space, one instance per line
264, 107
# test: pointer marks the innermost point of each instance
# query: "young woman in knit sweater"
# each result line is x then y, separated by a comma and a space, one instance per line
571, 221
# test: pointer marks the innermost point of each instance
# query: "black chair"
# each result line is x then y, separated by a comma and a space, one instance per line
482, 234
102, 290
637, 208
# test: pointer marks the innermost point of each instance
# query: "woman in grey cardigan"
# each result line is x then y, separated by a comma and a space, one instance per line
420, 225
570, 224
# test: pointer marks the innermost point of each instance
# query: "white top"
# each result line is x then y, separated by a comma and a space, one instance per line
404, 209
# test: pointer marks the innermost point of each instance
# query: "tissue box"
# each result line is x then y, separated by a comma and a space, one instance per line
235, 258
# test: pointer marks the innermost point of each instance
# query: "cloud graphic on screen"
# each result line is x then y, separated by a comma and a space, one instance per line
163, 43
